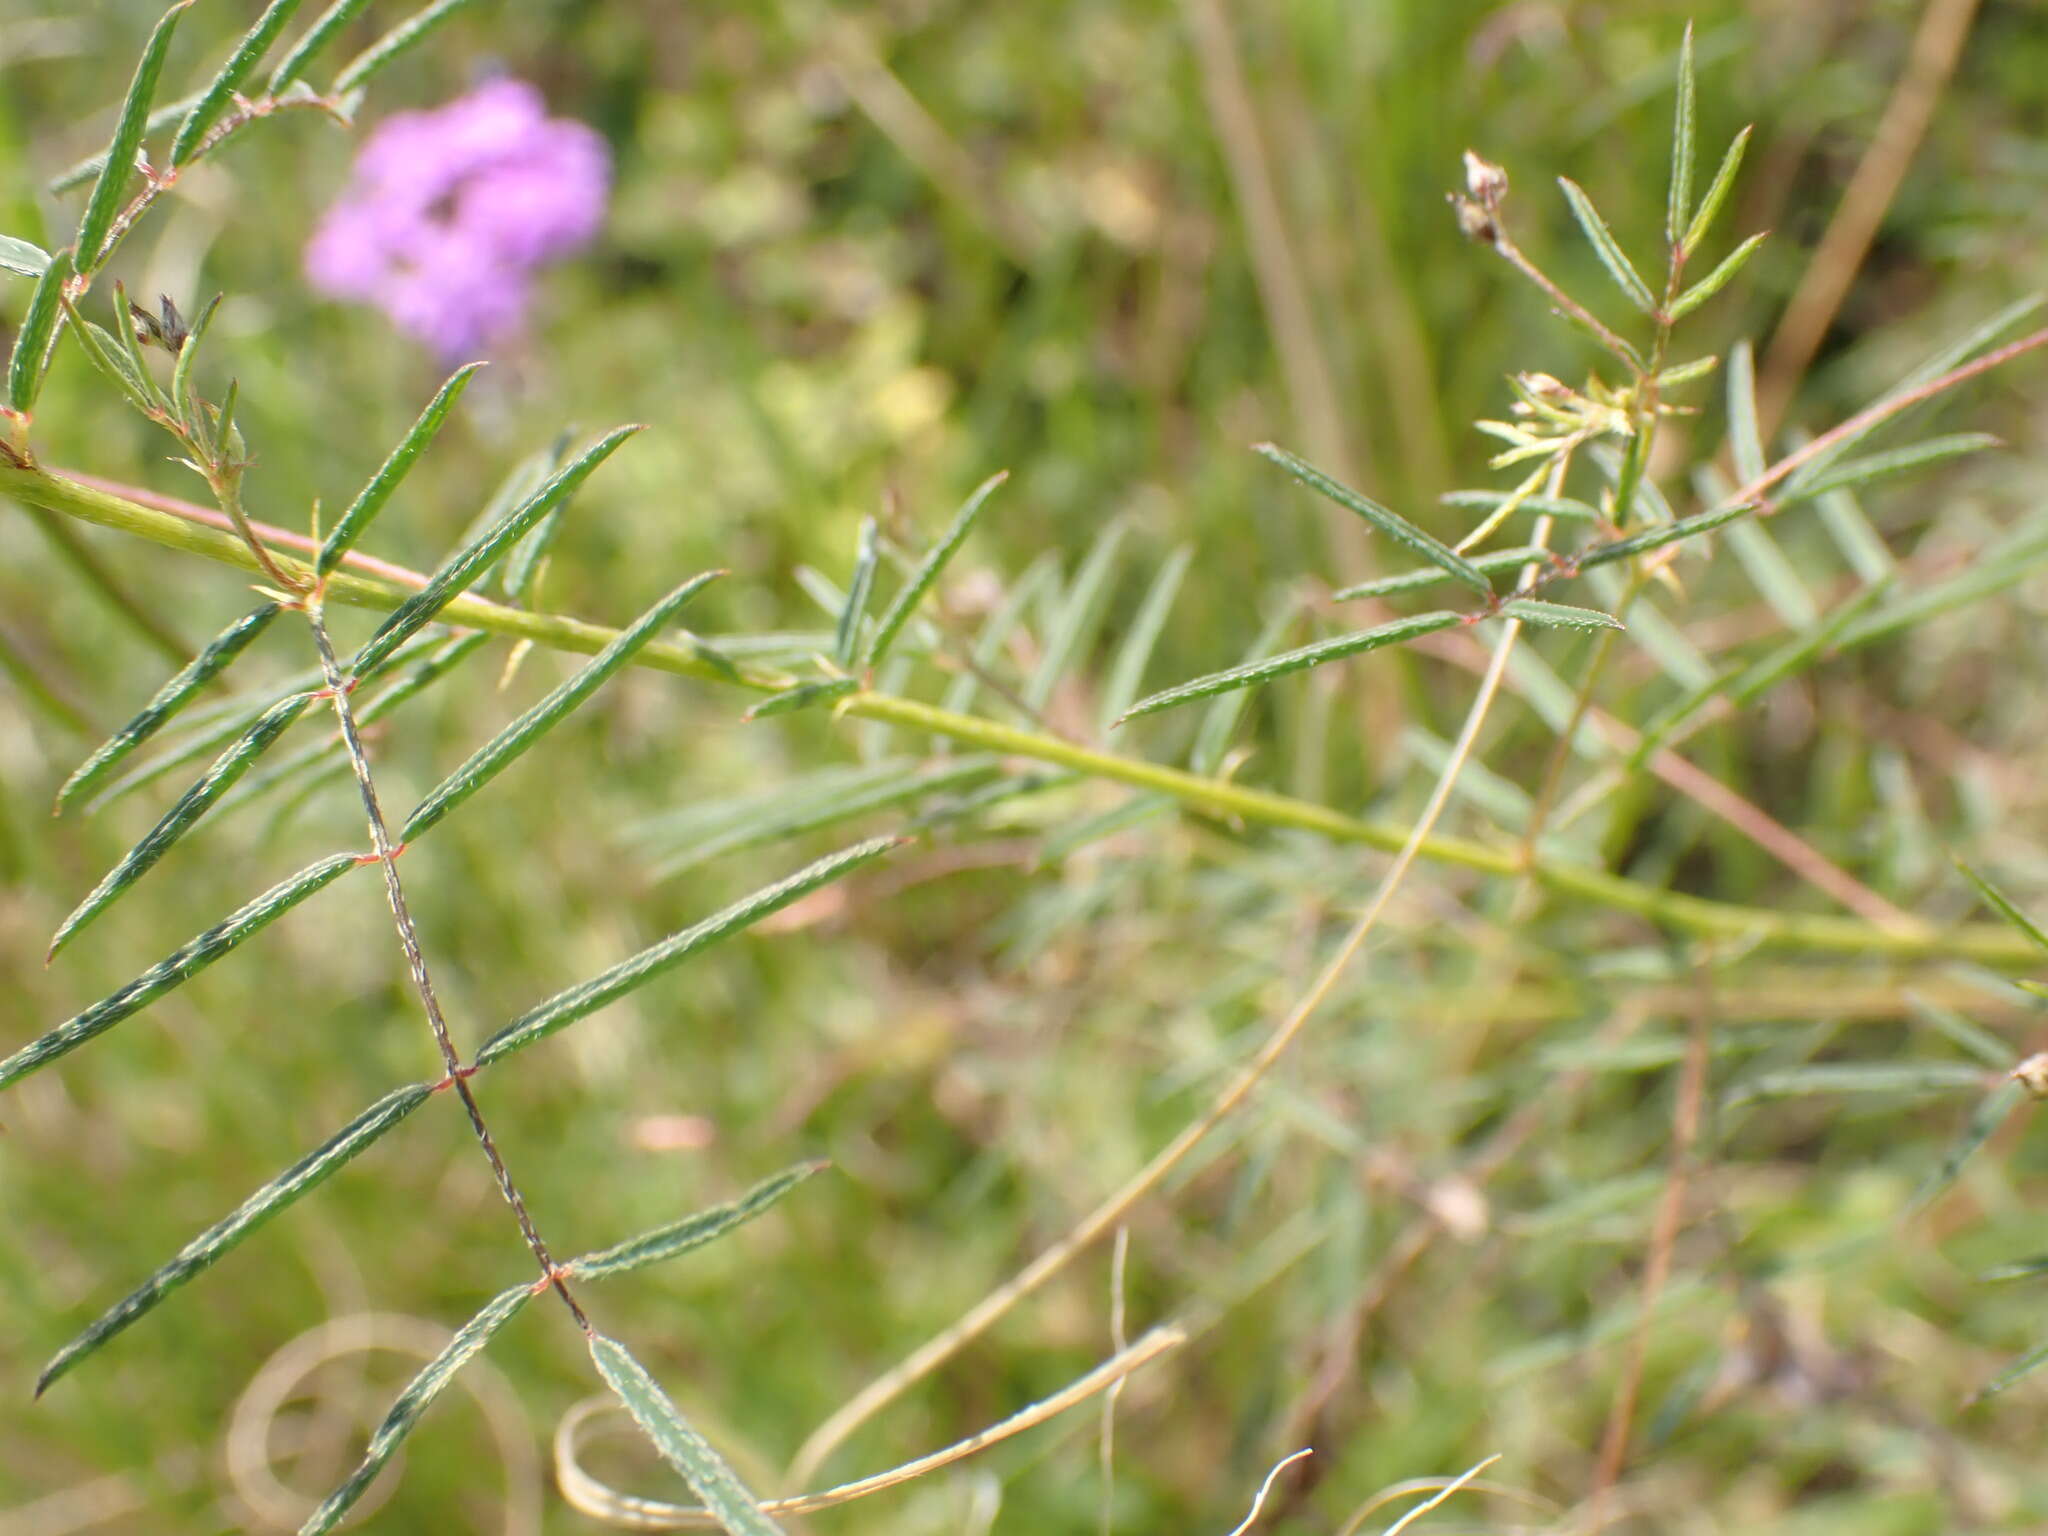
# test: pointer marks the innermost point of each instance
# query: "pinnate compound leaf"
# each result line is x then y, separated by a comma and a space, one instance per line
38, 331
195, 803
1719, 278
326, 27
24, 258
474, 557
587, 997
1559, 615
1678, 206
1390, 523
502, 749
898, 613
228, 1233
213, 101
714, 1483
1607, 248
802, 696
179, 966
393, 45
371, 499
418, 1396
693, 1231
169, 699
105, 199
1251, 674
1717, 193
846, 638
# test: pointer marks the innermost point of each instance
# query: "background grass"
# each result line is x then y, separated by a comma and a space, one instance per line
825, 304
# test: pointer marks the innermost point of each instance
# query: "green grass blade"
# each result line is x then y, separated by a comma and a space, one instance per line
105, 199
326, 27
846, 637
1072, 633
1678, 205
2004, 906
226, 1234
1772, 574
468, 562
1390, 523
2005, 564
1745, 439
393, 45
24, 258
1127, 671
417, 1397
214, 99
1419, 581
714, 1483
587, 997
168, 700
504, 748
1858, 472
693, 1231
1607, 248
38, 334
195, 803
1251, 674
183, 963
1719, 278
1559, 615
898, 613
1717, 193
1861, 544
371, 499
802, 696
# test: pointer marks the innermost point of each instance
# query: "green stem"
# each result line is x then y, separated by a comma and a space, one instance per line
1986, 944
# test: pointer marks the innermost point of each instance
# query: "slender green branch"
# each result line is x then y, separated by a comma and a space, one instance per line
1986, 944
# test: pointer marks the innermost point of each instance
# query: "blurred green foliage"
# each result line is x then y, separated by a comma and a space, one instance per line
859, 259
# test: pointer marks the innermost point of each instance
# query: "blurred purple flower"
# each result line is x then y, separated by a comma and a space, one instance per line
450, 212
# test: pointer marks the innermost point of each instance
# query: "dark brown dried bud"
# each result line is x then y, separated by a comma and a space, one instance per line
1476, 222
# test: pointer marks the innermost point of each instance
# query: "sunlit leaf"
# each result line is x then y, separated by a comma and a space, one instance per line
371, 499
177, 967
714, 1483
105, 199
1559, 615
38, 332
213, 101
393, 45
1678, 205
168, 700
565, 1008
195, 802
1607, 248
326, 27
1251, 674
693, 1231
504, 748
1719, 278
24, 258
225, 1235
1390, 523
898, 613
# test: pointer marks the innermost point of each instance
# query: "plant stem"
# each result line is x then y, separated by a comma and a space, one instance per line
1987, 944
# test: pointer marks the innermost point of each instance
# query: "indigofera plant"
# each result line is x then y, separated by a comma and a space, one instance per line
444, 245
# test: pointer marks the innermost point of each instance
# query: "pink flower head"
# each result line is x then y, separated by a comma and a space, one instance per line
449, 213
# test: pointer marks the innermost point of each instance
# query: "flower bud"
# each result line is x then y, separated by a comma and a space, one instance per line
1486, 182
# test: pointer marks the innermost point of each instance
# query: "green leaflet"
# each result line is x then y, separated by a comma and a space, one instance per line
502, 749
693, 1231
1717, 193
195, 803
898, 613
326, 27
1127, 672
224, 1235
24, 258
587, 997
1390, 523
418, 1396
213, 101
715, 1483
1607, 248
177, 967
802, 696
1559, 615
1417, 581
167, 701
38, 331
105, 199
371, 499
401, 39
1678, 207
1250, 674
468, 562
846, 638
